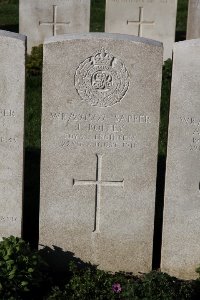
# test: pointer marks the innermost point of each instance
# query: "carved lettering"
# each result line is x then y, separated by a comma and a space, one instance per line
7, 140
8, 219
99, 130
190, 121
194, 124
136, 119
7, 113
77, 117
195, 3
99, 141
100, 118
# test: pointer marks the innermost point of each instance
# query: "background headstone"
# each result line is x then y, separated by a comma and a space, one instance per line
12, 87
101, 100
181, 238
39, 19
193, 22
154, 19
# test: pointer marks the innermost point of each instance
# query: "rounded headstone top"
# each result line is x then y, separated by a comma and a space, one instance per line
12, 35
187, 43
103, 36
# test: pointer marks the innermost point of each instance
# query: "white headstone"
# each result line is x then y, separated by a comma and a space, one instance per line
154, 19
181, 238
193, 22
101, 99
12, 87
39, 19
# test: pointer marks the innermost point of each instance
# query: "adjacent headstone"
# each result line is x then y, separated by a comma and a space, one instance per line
39, 19
193, 22
154, 19
180, 249
101, 96
12, 87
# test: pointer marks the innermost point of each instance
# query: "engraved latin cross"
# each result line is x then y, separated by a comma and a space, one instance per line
140, 22
98, 183
54, 23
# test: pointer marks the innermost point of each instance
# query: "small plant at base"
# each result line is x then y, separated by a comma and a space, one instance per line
20, 269
161, 286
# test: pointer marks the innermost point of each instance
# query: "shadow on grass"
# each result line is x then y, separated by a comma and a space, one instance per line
180, 36
159, 205
31, 197
12, 28
60, 260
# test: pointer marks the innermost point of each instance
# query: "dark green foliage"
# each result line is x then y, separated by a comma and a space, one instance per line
34, 61
33, 112
9, 15
33, 98
93, 284
164, 110
97, 15
23, 276
161, 286
198, 271
182, 15
20, 269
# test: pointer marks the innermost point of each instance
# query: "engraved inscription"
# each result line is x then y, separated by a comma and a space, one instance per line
194, 124
102, 80
54, 23
99, 141
195, 3
117, 131
7, 219
117, 118
7, 113
141, 22
98, 183
7, 140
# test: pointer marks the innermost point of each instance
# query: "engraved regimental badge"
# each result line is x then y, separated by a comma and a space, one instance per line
102, 80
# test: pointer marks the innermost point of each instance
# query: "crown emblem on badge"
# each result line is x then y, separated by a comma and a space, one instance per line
103, 57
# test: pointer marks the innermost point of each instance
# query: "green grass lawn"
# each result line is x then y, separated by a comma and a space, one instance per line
9, 16
182, 15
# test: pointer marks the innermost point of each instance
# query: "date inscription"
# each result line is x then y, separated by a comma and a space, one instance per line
7, 113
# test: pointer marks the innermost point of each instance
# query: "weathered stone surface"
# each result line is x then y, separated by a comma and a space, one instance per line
40, 19
193, 22
154, 19
12, 87
180, 250
101, 98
